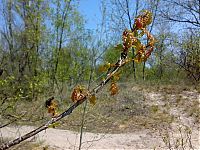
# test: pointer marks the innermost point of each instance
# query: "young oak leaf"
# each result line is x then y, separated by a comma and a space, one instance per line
116, 76
92, 99
142, 20
128, 39
105, 67
53, 125
77, 94
114, 88
52, 105
102, 68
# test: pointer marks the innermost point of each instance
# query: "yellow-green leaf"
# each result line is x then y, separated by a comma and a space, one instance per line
53, 125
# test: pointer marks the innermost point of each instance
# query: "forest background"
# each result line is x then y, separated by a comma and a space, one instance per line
47, 48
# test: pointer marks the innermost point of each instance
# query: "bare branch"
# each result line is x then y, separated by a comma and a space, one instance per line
195, 23
128, 14
192, 13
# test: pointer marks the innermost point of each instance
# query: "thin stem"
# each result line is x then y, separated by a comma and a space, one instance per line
85, 108
82, 124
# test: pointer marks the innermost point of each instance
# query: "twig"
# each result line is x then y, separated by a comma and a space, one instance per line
84, 109
82, 124
12, 121
2, 126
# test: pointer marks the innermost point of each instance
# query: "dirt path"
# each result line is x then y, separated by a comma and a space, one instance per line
64, 139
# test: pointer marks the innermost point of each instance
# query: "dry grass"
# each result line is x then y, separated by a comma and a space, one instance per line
130, 110
135, 108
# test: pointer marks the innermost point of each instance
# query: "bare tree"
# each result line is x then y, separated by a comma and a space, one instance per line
186, 14
184, 11
189, 52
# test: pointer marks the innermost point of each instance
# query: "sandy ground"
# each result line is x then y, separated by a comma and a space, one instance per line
64, 139
145, 139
